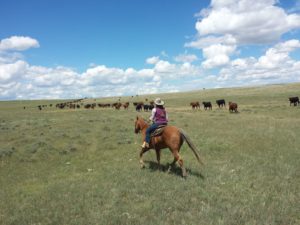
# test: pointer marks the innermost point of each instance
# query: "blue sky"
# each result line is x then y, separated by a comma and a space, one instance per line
115, 33
72, 49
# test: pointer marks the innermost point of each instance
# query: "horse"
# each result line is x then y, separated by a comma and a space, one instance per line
171, 137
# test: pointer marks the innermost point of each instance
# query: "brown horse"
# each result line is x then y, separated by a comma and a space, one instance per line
171, 137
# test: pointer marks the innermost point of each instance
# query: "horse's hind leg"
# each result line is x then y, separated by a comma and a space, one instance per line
172, 165
180, 162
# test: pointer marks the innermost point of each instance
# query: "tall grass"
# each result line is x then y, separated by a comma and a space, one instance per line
81, 166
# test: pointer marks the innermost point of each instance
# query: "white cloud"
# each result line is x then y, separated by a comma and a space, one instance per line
217, 55
278, 56
20, 80
232, 23
12, 71
248, 21
275, 65
227, 39
164, 67
18, 43
152, 60
186, 58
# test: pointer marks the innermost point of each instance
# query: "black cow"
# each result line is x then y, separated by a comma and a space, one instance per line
139, 107
294, 100
146, 107
87, 106
207, 105
221, 103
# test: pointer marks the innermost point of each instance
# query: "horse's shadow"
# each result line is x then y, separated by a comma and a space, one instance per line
168, 168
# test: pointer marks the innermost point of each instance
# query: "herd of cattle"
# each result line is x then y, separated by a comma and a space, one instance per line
233, 107
148, 106
77, 104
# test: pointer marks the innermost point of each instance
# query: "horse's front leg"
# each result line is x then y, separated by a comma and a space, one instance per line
141, 156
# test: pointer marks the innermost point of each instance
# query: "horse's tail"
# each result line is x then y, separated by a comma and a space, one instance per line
191, 145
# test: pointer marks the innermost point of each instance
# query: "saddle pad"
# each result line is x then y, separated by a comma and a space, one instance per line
158, 131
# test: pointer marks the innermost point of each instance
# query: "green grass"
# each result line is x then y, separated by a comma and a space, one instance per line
81, 166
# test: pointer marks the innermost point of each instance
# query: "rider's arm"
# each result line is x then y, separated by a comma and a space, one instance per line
152, 115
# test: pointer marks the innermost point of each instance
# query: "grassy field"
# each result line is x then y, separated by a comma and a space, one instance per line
81, 166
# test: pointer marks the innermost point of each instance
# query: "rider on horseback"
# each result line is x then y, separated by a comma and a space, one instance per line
159, 117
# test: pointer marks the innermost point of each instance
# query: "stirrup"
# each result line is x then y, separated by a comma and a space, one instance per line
145, 145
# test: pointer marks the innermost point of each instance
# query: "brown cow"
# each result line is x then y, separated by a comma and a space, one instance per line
195, 105
233, 107
117, 105
125, 105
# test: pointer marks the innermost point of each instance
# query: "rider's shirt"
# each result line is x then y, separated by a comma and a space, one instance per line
159, 116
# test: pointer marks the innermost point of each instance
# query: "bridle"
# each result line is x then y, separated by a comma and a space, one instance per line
138, 126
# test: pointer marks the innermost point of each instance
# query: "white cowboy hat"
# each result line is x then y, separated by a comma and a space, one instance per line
158, 101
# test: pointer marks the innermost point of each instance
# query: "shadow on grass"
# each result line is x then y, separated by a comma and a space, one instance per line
175, 170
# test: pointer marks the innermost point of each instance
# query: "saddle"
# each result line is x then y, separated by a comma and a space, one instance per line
158, 131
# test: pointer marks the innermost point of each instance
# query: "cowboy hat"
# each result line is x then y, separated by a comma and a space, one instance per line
158, 101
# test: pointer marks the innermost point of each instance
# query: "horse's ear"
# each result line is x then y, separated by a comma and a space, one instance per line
137, 117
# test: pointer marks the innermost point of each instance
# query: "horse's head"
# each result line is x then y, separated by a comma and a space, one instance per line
139, 124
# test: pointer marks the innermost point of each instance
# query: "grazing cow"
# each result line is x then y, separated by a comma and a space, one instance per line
221, 103
87, 106
126, 105
138, 103
72, 106
294, 100
139, 107
233, 107
207, 105
151, 106
104, 105
146, 107
117, 105
195, 105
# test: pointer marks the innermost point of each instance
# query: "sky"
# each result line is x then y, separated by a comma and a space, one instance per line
65, 49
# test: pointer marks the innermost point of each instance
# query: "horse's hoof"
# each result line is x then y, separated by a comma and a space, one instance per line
169, 169
142, 166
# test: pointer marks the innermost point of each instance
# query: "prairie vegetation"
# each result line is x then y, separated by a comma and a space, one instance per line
80, 166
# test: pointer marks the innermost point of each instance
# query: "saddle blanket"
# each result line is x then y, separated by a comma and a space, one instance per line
158, 131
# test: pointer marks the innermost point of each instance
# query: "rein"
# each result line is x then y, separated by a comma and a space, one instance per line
144, 125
